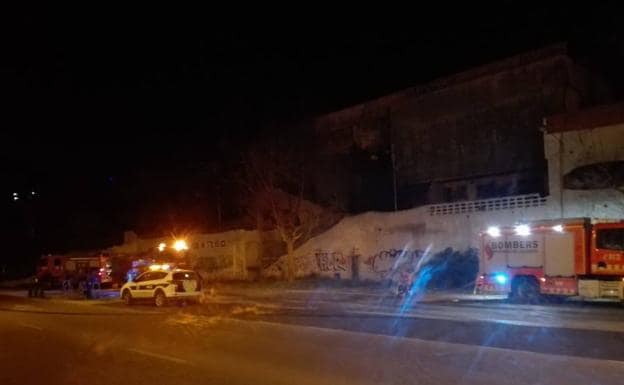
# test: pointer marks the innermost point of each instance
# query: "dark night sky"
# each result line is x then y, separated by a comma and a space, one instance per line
102, 110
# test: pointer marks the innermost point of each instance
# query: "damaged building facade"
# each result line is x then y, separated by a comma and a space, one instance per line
473, 135
584, 153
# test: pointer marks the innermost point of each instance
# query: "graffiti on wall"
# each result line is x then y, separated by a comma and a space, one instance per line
387, 262
320, 261
330, 261
215, 262
317, 261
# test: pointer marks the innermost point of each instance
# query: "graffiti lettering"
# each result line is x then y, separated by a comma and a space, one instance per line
386, 262
215, 263
330, 262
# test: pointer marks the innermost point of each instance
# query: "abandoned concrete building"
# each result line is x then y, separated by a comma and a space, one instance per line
473, 135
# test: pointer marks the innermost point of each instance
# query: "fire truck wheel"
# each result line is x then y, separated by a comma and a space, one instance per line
127, 297
525, 289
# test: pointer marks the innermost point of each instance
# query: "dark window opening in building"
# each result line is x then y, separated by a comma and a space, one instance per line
460, 193
525, 186
415, 195
447, 195
504, 189
486, 190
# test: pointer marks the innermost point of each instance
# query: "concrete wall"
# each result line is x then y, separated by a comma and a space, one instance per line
233, 254
228, 255
380, 243
568, 150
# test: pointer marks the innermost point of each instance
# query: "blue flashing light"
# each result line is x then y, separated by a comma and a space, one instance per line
501, 278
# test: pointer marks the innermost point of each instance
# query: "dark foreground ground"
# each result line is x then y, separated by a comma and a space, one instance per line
309, 337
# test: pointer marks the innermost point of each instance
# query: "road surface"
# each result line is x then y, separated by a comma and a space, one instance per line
309, 337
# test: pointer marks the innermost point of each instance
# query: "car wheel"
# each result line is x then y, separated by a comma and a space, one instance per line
127, 297
160, 299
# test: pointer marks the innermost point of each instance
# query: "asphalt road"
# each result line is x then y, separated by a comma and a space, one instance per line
309, 338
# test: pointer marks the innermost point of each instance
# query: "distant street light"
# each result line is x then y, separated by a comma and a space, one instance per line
180, 245
162, 246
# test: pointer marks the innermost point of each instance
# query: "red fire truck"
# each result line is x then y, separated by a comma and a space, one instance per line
570, 257
57, 269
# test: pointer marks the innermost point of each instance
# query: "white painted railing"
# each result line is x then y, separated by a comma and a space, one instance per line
494, 204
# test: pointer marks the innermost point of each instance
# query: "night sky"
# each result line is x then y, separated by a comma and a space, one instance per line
121, 119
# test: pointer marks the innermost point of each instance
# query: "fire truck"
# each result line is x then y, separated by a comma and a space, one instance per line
569, 258
57, 269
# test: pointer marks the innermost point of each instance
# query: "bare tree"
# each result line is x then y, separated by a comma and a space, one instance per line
276, 182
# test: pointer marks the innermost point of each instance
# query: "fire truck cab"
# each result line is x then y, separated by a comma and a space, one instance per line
570, 257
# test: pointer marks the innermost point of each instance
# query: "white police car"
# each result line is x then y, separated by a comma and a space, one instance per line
162, 286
